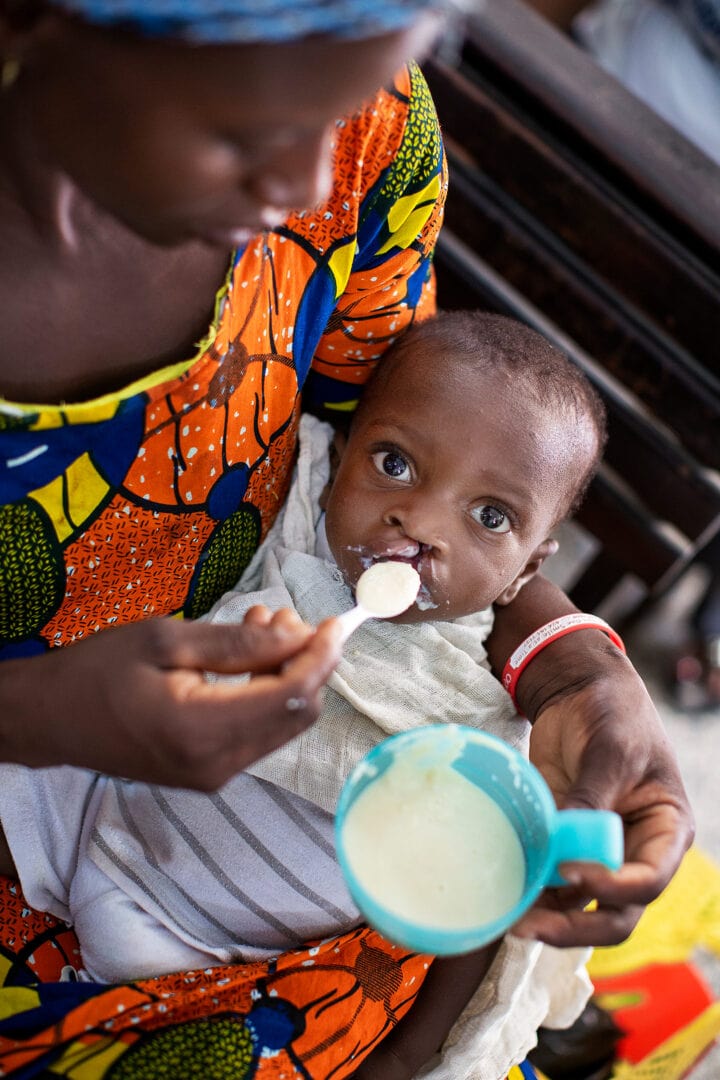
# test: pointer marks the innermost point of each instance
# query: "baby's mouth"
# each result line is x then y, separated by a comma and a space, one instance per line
418, 555
411, 551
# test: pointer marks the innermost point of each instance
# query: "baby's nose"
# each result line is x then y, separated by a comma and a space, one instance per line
420, 528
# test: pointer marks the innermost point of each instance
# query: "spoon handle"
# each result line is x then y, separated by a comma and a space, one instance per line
350, 620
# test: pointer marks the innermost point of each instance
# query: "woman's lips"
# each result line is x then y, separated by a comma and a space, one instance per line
268, 217
227, 238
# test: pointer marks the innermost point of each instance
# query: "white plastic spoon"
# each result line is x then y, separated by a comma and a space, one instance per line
384, 590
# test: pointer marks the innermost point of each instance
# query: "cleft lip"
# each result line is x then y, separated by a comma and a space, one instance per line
409, 551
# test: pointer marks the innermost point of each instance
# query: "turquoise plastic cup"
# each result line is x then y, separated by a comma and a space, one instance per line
548, 836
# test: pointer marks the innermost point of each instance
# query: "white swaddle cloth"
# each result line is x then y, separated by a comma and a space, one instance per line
445, 676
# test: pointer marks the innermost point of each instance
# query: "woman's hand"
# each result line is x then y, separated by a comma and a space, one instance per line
599, 742
134, 701
602, 744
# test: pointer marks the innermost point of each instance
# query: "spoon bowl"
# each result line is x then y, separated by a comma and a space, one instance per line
384, 590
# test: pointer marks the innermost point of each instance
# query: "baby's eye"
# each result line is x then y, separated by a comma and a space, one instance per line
491, 517
391, 463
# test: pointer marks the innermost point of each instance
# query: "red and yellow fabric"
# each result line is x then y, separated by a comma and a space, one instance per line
652, 983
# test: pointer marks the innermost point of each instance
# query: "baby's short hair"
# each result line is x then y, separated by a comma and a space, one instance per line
487, 341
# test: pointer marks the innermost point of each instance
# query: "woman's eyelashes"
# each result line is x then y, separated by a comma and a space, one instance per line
393, 464
491, 517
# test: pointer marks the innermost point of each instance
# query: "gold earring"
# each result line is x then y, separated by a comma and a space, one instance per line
9, 72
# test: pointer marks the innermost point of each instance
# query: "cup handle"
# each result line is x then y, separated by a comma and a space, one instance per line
587, 836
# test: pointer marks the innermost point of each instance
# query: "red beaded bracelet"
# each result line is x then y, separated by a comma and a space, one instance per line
546, 634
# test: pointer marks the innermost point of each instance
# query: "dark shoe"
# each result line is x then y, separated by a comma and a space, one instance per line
585, 1051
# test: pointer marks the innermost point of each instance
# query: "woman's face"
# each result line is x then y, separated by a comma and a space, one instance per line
184, 142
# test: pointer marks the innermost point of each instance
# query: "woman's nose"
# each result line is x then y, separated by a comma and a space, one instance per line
299, 176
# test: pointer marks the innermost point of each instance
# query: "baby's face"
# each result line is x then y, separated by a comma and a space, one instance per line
462, 479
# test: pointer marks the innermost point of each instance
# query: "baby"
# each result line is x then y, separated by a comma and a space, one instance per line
473, 440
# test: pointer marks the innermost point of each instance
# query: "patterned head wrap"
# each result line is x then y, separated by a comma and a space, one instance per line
244, 21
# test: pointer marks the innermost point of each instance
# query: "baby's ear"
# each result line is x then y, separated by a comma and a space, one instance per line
335, 452
542, 552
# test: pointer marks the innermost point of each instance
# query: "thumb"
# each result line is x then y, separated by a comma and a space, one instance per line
231, 648
595, 786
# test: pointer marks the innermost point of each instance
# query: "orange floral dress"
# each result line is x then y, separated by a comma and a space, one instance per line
151, 501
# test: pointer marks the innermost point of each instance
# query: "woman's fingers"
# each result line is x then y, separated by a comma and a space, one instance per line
222, 727
572, 927
261, 643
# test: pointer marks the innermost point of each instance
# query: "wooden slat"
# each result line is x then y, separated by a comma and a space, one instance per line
500, 158
632, 537
668, 381
618, 127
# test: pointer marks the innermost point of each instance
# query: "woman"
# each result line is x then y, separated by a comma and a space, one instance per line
141, 143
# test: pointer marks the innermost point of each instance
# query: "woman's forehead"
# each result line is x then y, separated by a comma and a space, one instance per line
251, 21
316, 78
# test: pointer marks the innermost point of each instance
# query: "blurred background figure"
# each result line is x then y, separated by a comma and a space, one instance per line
667, 52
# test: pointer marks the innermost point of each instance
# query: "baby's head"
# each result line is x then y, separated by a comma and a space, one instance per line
473, 440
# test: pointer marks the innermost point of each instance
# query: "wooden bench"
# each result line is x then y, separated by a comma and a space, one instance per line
574, 207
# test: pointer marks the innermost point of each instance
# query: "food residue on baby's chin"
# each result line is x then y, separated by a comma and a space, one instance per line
424, 601
364, 559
